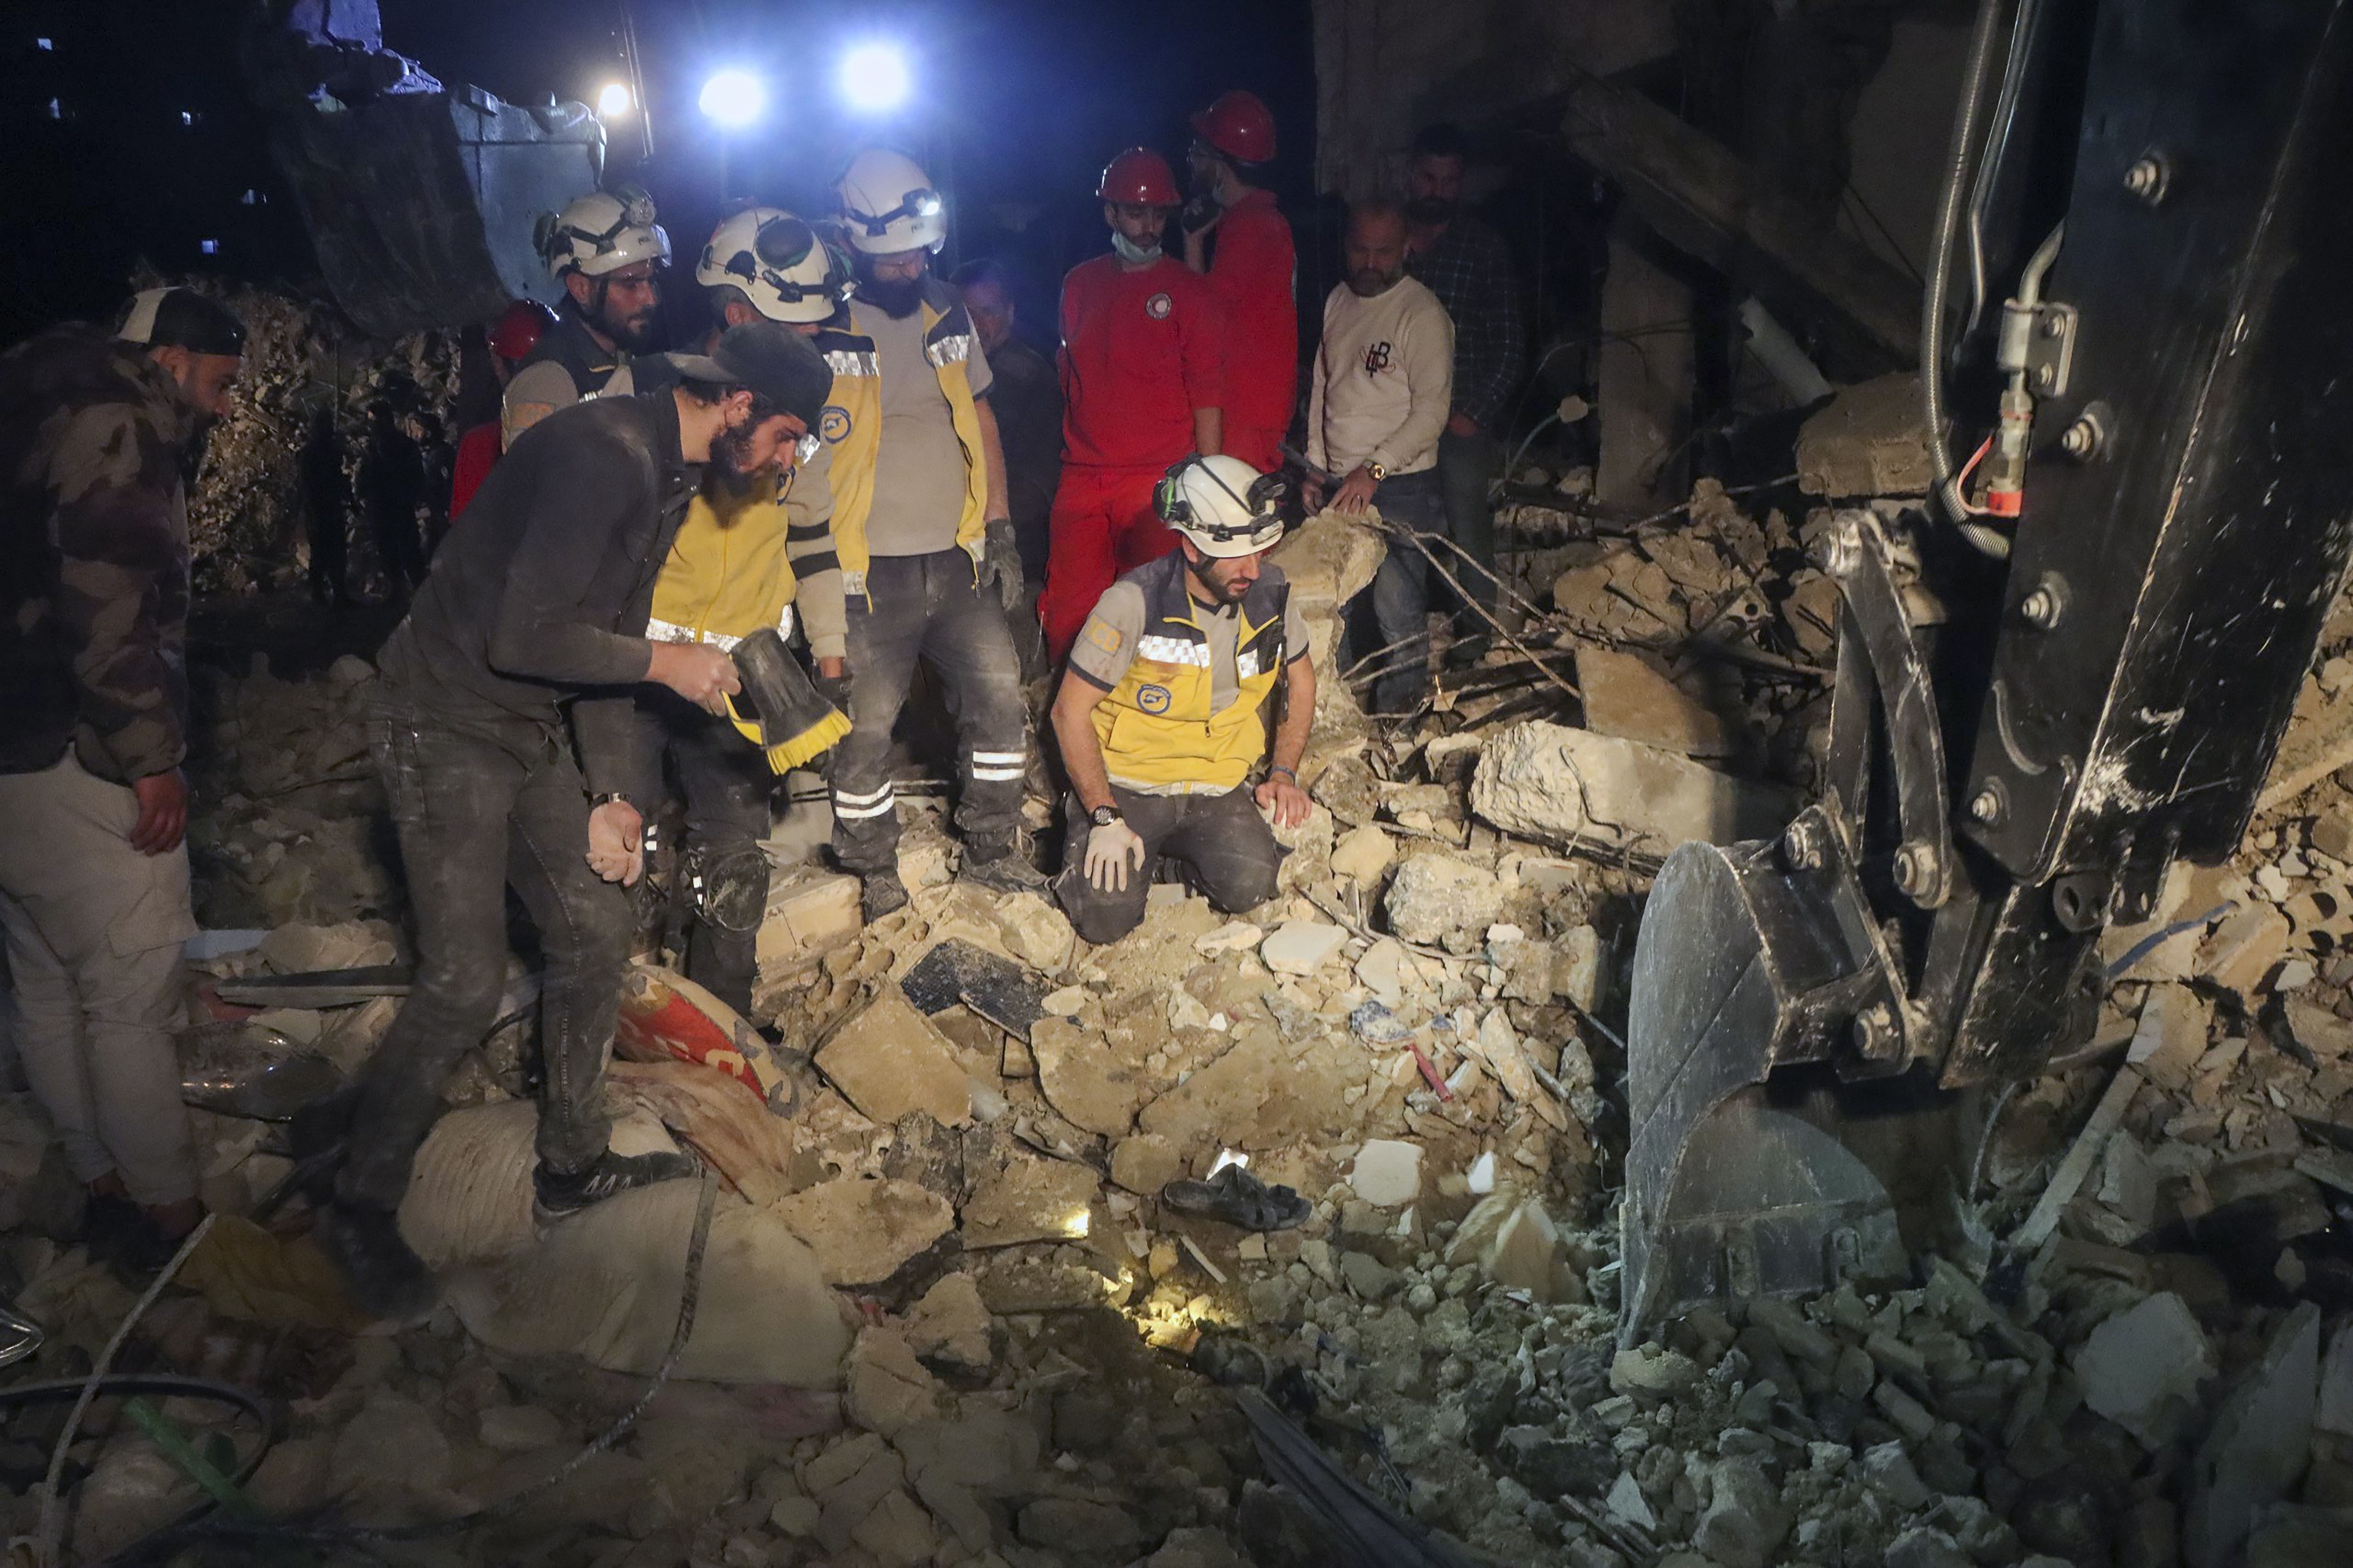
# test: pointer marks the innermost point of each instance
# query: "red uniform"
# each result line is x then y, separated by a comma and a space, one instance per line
1140, 351
1255, 272
478, 448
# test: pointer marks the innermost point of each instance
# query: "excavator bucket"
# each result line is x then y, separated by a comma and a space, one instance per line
1739, 1183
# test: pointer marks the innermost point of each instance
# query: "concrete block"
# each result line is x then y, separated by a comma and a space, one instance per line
2141, 1368
1626, 697
807, 912
2259, 1445
888, 1060
1578, 790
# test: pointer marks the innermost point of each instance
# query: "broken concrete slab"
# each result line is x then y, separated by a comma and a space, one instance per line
887, 1389
1145, 1163
2333, 1410
1626, 697
2245, 948
1386, 1173
1302, 946
951, 1323
1028, 1198
1260, 1094
1433, 898
1869, 440
1036, 931
809, 912
2318, 741
888, 1060
2258, 1446
1362, 854
2141, 1368
1745, 1523
2169, 1037
862, 1230
1595, 792
1083, 1078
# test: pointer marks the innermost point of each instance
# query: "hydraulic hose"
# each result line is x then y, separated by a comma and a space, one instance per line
1997, 141
1940, 275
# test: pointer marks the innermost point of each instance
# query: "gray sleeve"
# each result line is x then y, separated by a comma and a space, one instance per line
1294, 630
809, 546
1106, 644
537, 391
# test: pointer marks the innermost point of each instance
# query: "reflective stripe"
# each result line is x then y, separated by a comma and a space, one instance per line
860, 813
849, 362
1173, 650
995, 774
1000, 757
951, 350
1246, 665
844, 797
785, 621
658, 631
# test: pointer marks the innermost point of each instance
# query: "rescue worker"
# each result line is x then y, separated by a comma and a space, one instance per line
1142, 384
534, 603
1252, 267
606, 250
1026, 394
1160, 717
512, 339
96, 436
929, 566
744, 557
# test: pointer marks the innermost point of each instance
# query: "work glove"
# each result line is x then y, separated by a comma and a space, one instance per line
1000, 562
833, 689
1112, 850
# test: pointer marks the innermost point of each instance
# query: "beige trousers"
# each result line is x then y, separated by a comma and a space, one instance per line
94, 930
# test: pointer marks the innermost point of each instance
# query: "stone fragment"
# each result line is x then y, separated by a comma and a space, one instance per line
1924, 1546
1626, 697
1855, 1373
2245, 947
896, 1533
2318, 1030
1868, 440
520, 1428
1028, 1198
1362, 854
808, 911
1434, 897
2332, 832
1036, 931
862, 1230
1888, 1469
2141, 1367
888, 1060
1651, 1368
1387, 1174
1367, 1276
960, 1510
1626, 1502
2170, 1036
888, 1388
952, 1324
1084, 1078
992, 1452
1233, 936
1745, 1523
392, 1447
2259, 1444
1302, 946
1146, 1163
1577, 966
2335, 1409
1578, 789
1260, 1094
1072, 1524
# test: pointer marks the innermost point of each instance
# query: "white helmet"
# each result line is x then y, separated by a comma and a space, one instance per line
778, 263
888, 205
602, 232
1222, 504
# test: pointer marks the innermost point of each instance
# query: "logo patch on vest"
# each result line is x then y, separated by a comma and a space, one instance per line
1158, 306
834, 423
1152, 699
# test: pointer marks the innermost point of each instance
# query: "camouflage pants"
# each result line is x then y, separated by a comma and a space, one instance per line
94, 929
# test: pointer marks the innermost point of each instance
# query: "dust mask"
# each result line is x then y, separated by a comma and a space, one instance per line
1132, 253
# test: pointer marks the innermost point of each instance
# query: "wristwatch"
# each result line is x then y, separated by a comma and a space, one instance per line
1104, 816
1379, 471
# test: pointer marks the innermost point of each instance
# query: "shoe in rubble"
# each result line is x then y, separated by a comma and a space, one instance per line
880, 892
1008, 871
560, 1194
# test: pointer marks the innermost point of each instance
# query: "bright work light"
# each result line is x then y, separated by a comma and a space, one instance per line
613, 100
733, 98
874, 76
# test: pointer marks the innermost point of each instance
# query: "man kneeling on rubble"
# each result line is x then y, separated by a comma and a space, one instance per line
1161, 718
541, 597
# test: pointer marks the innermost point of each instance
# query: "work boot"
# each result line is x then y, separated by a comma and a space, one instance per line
1004, 871
880, 892
387, 1279
558, 1194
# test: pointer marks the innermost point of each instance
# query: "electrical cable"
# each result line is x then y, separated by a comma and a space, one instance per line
1940, 276
2005, 117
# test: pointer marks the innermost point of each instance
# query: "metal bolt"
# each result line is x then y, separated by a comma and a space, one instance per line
2145, 178
2041, 609
2082, 439
2053, 326
1916, 869
2045, 376
1876, 1035
1801, 846
1986, 806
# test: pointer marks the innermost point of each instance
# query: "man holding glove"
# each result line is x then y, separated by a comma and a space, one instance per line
1161, 717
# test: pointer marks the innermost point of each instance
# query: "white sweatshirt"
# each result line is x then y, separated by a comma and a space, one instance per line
1384, 380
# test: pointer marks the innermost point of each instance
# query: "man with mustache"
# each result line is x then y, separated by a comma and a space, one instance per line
921, 524
98, 435
606, 250
537, 606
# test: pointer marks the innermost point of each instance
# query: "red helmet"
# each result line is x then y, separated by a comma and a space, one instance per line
1237, 125
517, 331
1139, 175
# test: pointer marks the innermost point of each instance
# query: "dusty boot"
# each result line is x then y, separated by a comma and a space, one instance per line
558, 1194
880, 892
387, 1279
1001, 870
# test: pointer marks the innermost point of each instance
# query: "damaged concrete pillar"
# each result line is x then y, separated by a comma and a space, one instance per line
1647, 372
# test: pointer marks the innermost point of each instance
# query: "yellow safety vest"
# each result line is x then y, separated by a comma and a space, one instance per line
726, 574
852, 426
1157, 728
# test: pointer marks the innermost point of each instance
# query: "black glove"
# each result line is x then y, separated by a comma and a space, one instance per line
1000, 562
834, 689
1199, 213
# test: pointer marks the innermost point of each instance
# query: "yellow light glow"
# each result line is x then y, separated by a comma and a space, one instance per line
1075, 1227
614, 100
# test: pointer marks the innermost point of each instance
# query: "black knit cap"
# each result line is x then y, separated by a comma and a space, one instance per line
181, 318
776, 362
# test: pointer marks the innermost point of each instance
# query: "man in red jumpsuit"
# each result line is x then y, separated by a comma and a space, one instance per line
1253, 270
1143, 385
516, 333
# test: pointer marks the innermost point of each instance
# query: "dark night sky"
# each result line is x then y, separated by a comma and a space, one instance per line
1017, 105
